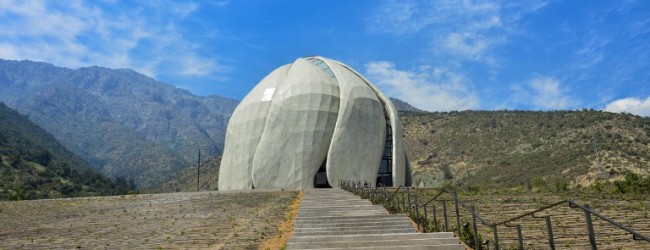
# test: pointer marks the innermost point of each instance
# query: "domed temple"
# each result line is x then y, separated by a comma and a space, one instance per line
311, 124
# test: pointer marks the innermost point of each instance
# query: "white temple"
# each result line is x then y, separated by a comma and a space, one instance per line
311, 124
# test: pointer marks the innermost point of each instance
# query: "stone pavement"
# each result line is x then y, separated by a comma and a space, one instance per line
335, 219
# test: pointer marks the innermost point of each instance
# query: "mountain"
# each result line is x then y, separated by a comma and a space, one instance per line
404, 106
34, 165
494, 149
124, 123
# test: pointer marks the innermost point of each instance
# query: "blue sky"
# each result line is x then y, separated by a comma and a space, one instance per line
437, 55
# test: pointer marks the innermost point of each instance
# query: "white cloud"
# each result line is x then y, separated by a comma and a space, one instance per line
139, 35
465, 29
8, 51
429, 88
543, 92
193, 65
466, 44
401, 17
630, 105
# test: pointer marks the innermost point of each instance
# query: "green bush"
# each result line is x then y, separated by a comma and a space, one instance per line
633, 184
467, 236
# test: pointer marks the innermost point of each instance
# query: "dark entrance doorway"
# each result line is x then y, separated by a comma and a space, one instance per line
320, 180
385, 175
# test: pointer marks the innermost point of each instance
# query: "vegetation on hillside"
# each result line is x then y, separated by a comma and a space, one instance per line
556, 150
122, 122
186, 180
33, 165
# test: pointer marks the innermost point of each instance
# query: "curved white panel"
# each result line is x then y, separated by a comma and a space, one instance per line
358, 140
298, 129
244, 132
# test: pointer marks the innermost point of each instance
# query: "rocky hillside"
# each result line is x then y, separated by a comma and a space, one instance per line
122, 122
33, 165
511, 148
404, 106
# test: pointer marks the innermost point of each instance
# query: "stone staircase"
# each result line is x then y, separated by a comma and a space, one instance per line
335, 219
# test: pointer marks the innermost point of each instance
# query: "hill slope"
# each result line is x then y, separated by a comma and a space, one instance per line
34, 165
185, 180
123, 123
510, 148
404, 106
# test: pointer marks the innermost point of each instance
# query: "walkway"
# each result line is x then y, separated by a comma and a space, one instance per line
335, 219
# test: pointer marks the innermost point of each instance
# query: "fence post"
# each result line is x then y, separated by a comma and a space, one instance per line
435, 218
457, 214
418, 220
395, 203
444, 211
426, 219
549, 228
477, 242
417, 205
408, 194
590, 229
520, 237
496, 237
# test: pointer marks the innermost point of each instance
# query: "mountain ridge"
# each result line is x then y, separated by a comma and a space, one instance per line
155, 127
404, 106
34, 165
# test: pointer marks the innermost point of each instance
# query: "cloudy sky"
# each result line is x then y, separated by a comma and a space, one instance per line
437, 55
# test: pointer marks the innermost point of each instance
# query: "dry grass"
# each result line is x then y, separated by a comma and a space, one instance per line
285, 227
569, 224
199, 220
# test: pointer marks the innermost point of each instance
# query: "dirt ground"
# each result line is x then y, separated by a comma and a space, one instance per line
285, 228
199, 220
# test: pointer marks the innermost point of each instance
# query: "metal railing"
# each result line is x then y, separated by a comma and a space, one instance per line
407, 202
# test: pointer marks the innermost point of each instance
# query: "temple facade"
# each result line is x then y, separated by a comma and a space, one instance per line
313, 123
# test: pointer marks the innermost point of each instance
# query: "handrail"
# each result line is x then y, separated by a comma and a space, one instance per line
395, 192
527, 214
572, 204
455, 197
629, 230
471, 210
435, 197
588, 212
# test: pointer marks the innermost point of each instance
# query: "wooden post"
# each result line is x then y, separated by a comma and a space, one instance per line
198, 172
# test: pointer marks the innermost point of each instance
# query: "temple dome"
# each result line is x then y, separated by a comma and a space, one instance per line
310, 124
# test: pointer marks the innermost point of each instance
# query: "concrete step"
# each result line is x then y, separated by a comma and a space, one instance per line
341, 209
333, 203
343, 213
372, 237
335, 219
376, 217
381, 243
338, 232
338, 203
423, 247
351, 218
355, 228
351, 223
320, 203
